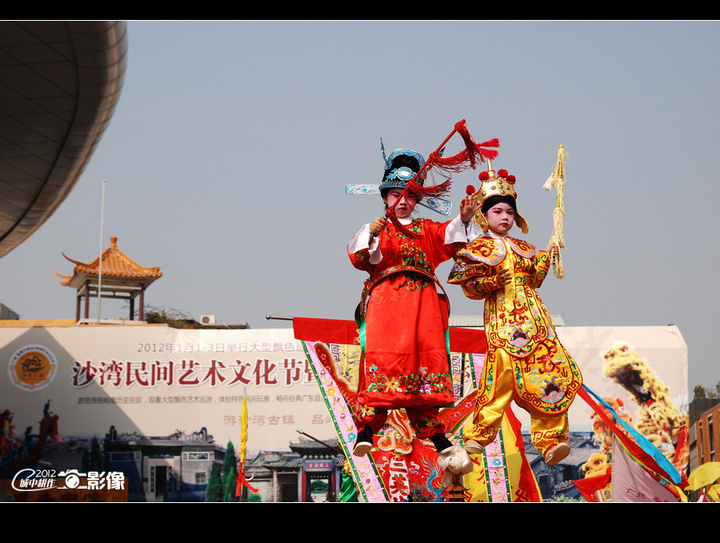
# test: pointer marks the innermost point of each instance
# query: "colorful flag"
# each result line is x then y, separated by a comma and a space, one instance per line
631, 482
503, 473
638, 446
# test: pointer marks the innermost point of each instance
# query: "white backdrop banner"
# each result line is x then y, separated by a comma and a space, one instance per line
158, 381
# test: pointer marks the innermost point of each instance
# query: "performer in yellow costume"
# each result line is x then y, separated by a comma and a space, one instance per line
525, 360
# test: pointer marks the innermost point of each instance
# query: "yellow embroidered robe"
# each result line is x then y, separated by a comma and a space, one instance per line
546, 377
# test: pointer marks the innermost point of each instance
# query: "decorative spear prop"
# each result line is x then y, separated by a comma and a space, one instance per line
432, 196
467, 158
557, 180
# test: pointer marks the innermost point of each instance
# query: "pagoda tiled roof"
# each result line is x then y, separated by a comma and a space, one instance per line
282, 460
115, 265
330, 447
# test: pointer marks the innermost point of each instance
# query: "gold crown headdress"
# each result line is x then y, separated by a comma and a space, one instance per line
497, 184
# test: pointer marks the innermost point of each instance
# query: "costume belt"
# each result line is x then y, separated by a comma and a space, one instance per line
394, 270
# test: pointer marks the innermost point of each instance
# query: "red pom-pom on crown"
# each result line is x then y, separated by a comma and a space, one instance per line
504, 174
483, 176
470, 189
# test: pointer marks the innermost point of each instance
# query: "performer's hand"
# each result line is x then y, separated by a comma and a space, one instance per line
468, 208
503, 277
552, 250
377, 226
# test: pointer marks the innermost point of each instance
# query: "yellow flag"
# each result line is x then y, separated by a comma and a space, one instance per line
243, 431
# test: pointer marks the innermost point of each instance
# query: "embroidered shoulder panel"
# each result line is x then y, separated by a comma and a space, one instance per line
491, 251
484, 250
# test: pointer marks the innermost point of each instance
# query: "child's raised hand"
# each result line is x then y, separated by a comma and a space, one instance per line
469, 205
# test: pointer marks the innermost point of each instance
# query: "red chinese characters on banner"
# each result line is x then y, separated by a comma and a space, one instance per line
191, 373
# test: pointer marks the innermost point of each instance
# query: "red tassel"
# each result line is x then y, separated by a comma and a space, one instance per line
436, 191
241, 481
468, 157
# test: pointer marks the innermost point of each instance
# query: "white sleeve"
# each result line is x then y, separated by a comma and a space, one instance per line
456, 232
473, 231
365, 240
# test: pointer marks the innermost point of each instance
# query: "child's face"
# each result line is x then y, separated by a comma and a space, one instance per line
405, 205
500, 218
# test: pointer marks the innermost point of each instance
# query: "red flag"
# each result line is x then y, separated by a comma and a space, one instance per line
345, 332
596, 488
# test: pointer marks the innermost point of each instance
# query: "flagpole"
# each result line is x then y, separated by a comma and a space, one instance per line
102, 226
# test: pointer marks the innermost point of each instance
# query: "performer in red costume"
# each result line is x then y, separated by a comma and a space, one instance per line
525, 360
403, 315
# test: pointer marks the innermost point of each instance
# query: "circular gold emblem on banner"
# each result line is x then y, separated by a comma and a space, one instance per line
32, 367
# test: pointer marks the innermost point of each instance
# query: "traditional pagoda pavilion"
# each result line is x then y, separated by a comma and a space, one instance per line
114, 275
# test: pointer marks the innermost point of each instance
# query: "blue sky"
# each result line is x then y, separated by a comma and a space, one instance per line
227, 157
